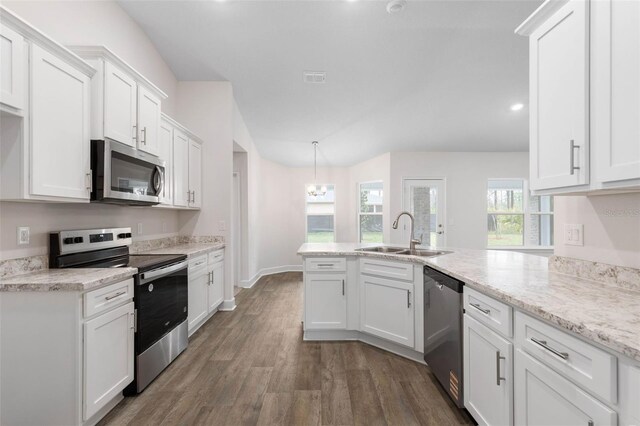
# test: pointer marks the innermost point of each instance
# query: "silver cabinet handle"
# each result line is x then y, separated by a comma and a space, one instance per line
481, 309
194, 196
572, 148
556, 352
135, 133
325, 265
90, 183
188, 196
343, 287
133, 321
499, 377
408, 298
144, 135
120, 293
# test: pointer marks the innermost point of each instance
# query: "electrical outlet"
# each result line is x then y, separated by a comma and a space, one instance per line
23, 235
573, 234
164, 227
222, 225
139, 228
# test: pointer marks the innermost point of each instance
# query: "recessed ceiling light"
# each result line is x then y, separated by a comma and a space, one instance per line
396, 6
517, 107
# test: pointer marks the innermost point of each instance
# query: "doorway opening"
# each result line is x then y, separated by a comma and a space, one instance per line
425, 199
239, 217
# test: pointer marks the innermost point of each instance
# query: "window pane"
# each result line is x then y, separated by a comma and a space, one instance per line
371, 197
541, 204
505, 195
320, 208
329, 197
370, 228
505, 229
541, 230
320, 229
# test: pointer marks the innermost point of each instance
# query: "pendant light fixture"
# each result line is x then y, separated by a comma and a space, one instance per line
312, 190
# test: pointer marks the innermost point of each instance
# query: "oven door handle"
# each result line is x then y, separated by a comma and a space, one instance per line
158, 273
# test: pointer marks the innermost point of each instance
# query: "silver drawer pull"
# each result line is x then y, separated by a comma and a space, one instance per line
325, 265
120, 293
499, 377
481, 309
556, 352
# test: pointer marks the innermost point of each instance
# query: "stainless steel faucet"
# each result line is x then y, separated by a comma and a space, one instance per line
412, 241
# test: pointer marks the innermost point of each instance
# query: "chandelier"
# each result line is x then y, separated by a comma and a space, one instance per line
313, 190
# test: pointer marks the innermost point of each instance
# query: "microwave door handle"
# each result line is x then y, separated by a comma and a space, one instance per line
158, 180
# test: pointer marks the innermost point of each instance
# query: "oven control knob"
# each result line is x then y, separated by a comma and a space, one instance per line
122, 235
150, 287
78, 240
128, 234
68, 240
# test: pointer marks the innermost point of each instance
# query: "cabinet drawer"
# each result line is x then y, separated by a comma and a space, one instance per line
326, 264
105, 298
198, 262
387, 269
216, 256
586, 365
488, 311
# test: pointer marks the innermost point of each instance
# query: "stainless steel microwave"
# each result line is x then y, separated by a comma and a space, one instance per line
123, 175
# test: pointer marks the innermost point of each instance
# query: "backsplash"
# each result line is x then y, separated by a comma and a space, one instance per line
621, 276
35, 263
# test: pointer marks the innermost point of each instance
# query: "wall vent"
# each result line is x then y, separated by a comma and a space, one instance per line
314, 77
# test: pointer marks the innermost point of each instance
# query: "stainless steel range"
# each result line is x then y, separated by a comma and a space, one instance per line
160, 294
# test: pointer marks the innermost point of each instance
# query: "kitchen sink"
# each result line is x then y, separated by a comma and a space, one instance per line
403, 251
380, 249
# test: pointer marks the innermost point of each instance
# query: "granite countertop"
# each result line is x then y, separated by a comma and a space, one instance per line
70, 279
601, 312
190, 249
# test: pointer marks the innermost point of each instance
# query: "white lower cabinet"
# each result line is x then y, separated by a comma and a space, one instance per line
325, 300
488, 385
215, 291
387, 309
198, 292
109, 356
543, 397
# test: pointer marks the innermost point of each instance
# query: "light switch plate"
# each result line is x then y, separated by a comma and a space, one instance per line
23, 235
573, 234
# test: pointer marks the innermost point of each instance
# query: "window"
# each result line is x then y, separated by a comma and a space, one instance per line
370, 212
321, 216
516, 218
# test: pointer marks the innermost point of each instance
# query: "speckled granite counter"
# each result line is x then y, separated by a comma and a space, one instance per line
70, 279
604, 313
190, 249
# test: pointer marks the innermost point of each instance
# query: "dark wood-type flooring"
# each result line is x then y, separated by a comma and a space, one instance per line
250, 366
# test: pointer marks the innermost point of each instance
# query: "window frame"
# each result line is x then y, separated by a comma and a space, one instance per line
526, 215
306, 210
360, 213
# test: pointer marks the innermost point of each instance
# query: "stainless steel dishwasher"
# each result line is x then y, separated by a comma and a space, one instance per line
443, 330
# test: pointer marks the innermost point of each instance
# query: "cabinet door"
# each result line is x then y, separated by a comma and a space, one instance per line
12, 70
59, 128
120, 93
148, 121
543, 397
216, 286
108, 357
559, 82
198, 292
325, 301
195, 174
616, 89
488, 384
386, 309
181, 195
165, 152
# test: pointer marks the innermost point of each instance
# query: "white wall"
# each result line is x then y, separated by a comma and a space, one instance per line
466, 176
93, 23
611, 228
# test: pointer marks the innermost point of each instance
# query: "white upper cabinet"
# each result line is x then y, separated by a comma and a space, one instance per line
125, 105
59, 128
195, 174
559, 90
165, 152
615, 97
148, 121
180, 169
12, 71
120, 91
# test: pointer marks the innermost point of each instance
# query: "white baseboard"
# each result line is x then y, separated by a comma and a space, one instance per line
228, 305
269, 271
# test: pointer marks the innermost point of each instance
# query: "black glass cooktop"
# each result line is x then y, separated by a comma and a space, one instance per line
144, 262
